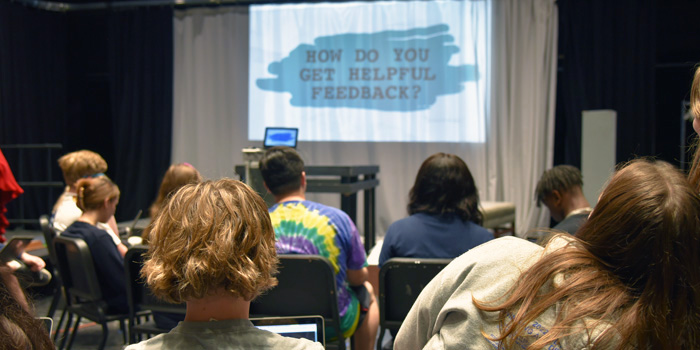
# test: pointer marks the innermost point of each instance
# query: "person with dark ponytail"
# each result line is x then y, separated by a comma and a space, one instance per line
444, 220
98, 198
629, 279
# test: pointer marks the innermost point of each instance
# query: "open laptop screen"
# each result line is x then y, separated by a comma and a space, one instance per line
304, 327
280, 137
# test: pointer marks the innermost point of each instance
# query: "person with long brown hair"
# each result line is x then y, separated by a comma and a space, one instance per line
176, 176
694, 175
629, 279
19, 329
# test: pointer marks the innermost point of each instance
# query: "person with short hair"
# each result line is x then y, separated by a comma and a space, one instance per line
561, 191
306, 227
444, 220
212, 247
628, 279
75, 166
97, 199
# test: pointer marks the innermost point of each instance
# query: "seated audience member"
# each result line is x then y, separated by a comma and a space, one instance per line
628, 279
305, 227
694, 175
19, 329
212, 246
176, 176
444, 214
77, 165
97, 199
561, 191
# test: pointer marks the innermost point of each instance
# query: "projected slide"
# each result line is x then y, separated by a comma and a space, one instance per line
370, 71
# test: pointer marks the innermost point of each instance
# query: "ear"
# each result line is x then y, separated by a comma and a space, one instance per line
303, 180
556, 197
267, 188
106, 202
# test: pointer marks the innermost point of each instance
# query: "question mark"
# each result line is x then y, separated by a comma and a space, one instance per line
416, 90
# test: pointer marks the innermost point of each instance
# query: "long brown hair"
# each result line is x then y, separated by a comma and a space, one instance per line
633, 266
175, 177
694, 175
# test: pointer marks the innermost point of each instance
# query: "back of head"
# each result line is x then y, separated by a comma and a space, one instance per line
210, 236
560, 178
18, 328
645, 229
78, 164
93, 191
632, 265
444, 185
281, 169
694, 175
176, 176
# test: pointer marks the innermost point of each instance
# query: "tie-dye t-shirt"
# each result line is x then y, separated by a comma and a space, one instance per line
304, 227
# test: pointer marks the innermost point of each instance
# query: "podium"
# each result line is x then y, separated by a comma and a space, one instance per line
344, 180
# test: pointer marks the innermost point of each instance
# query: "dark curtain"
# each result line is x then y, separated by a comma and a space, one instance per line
33, 100
141, 90
98, 80
607, 58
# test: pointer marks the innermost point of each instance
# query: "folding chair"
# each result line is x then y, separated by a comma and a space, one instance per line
83, 293
140, 298
49, 235
400, 282
306, 286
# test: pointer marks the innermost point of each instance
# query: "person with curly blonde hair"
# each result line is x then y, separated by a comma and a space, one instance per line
75, 166
212, 246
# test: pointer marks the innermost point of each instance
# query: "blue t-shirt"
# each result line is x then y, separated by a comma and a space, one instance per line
109, 264
423, 235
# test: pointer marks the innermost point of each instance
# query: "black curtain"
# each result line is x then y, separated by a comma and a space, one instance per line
141, 91
98, 80
33, 100
607, 57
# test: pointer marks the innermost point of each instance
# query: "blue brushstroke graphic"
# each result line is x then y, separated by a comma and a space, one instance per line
391, 70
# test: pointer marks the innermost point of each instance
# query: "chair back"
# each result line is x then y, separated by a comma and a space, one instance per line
49, 235
400, 282
77, 269
306, 286
139, 296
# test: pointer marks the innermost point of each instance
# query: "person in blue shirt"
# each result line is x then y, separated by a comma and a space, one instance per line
444, 219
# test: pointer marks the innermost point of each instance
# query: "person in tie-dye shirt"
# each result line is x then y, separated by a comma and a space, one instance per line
305, 227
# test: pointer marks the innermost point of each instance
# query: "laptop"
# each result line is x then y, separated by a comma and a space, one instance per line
300, 327
275, 136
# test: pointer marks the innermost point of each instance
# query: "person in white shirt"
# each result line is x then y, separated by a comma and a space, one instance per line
75, 166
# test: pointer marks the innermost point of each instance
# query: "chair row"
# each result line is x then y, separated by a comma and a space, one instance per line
400, 282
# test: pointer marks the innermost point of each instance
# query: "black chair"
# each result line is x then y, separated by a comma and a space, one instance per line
400, 282
83, 293
49, 235
141, 300
306, 286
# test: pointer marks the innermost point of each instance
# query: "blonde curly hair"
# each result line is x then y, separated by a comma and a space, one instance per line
78, 164
208, 236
